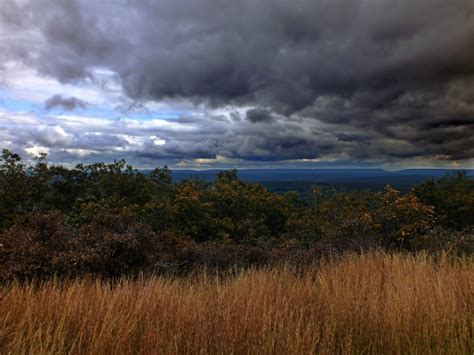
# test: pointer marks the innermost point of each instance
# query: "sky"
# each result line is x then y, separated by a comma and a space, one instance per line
205, 84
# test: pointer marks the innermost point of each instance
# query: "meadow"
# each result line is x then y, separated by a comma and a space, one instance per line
368, 303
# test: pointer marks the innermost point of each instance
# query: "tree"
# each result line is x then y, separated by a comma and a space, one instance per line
452, 198
13, 187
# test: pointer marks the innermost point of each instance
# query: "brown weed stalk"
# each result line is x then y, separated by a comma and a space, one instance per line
375, 303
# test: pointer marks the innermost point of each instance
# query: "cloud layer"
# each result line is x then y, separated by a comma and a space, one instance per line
355, 80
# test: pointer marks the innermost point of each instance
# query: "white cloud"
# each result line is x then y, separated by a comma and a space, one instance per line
157, 140
36, 150
28, 85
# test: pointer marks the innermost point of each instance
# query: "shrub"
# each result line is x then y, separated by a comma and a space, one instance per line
447, 241
401, 219
113, 243
217, 256
36, 246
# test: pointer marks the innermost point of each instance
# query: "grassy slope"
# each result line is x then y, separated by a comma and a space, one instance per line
373, 303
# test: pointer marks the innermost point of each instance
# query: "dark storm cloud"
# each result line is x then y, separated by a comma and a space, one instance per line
257, 115
385, 78
66, 103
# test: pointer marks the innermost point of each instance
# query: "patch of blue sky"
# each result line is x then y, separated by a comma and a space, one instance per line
16, 105
165, 115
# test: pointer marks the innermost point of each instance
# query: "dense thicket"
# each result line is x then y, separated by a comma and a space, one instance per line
111, 220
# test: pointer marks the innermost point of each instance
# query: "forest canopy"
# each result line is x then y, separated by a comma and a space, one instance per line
112, 220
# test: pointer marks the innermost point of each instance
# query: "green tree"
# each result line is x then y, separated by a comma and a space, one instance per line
13, 187
452, 198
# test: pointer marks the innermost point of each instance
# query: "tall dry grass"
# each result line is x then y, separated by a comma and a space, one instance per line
374, 303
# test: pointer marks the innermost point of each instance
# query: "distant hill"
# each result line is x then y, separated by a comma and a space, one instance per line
301, 180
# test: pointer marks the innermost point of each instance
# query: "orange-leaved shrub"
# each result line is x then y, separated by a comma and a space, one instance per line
362, 220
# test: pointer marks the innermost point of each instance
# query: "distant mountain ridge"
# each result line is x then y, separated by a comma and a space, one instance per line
282, 180
315, 174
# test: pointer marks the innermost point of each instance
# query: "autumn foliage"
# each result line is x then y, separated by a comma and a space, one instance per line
111, 220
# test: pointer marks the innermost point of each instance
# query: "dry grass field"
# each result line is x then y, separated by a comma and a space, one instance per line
374, 303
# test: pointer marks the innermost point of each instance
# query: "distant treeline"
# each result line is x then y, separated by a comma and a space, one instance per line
112, 220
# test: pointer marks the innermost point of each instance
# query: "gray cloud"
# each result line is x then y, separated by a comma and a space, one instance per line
362, 79
258, 115
66, 103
